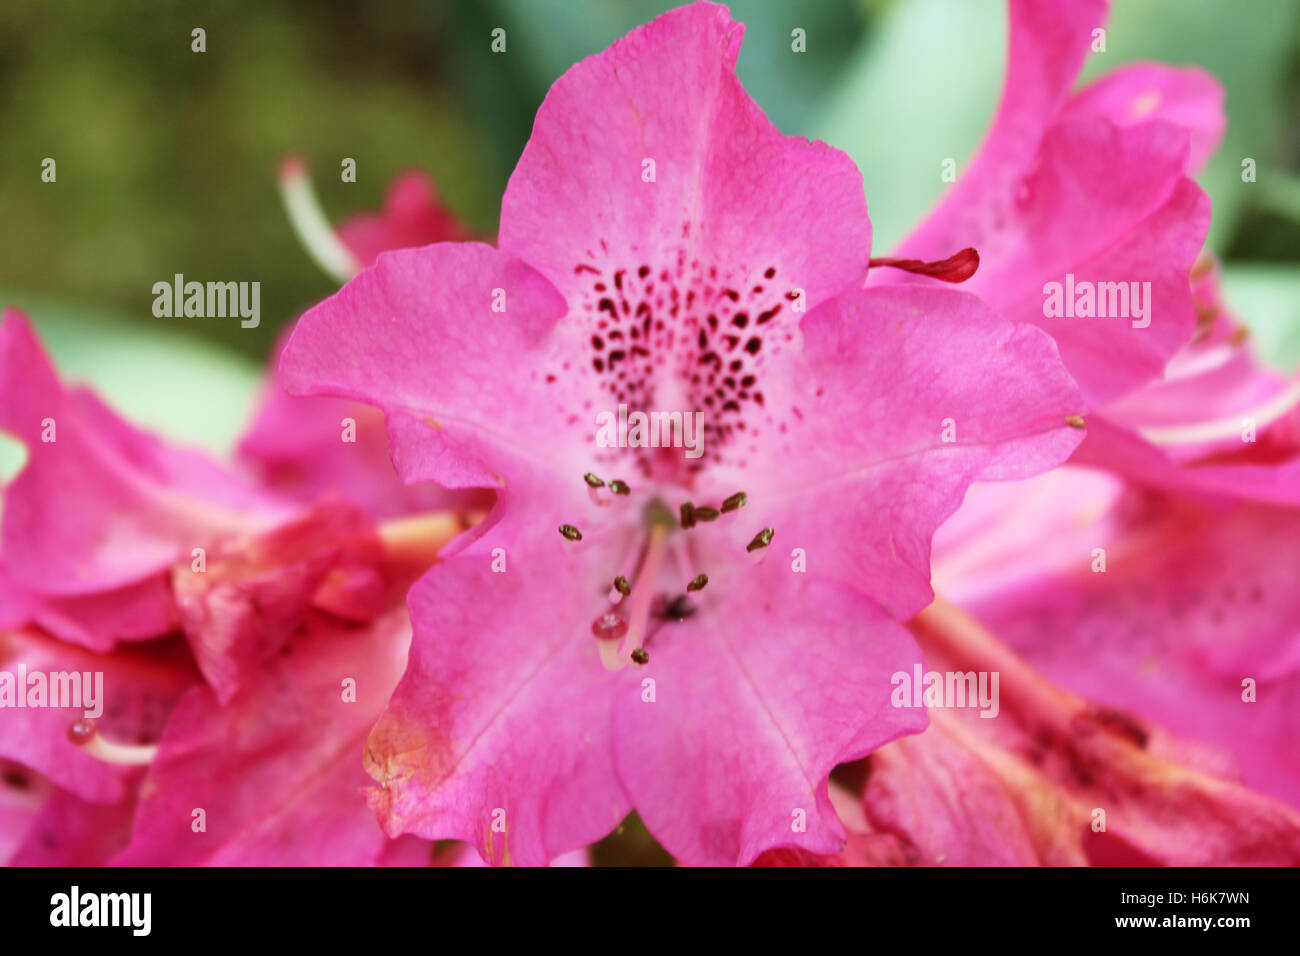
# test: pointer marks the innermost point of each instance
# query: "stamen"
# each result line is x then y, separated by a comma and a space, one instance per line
310, 224
706, 514
698, 582
619, 487
956, 268
761, 540
640, 656
1076, 421
639, 612
734, 502
84, 734
570, 532
621, 586
688, 515
592, 481
1225, 428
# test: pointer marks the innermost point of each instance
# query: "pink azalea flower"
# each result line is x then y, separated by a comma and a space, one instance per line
282, 607
1094, 184
662, 246
101, 511
1164, 632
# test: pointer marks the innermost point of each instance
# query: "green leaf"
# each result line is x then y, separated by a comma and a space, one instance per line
921, 90
1267, 299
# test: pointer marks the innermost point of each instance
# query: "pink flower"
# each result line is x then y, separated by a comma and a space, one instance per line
101, 510
112, 536
663, 247
412, 215
1147, 604
1094, 185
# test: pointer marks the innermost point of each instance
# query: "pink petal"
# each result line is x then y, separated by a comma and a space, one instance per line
297, 447
69, 831
140, 685
1058, 193
1049, 40
412, 215
102, 506
428, 356
938, 793
277, 770
729, 192
254, 595
1266, 476
503, 715
97, 622
753, 707
1137, 92
882, 375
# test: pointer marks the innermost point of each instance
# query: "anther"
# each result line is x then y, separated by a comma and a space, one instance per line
640, 656
761, 540
698, 582
688, 515
706, 514
619, 487
570, 532
1075, 421
621, 586
734, 502
592, 481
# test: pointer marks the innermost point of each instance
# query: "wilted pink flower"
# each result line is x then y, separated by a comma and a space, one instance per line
664, 248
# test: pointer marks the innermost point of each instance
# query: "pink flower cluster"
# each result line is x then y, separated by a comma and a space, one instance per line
474, 622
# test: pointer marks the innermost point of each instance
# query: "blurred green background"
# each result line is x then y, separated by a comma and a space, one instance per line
166, 157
